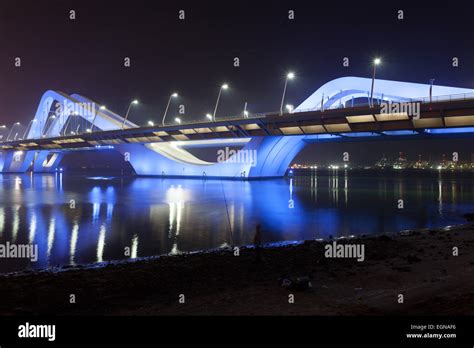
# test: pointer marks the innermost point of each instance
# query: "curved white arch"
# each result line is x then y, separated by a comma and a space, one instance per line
56, 109
343, 89
176, 153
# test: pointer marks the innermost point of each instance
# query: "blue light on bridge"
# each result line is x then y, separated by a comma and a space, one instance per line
451, 130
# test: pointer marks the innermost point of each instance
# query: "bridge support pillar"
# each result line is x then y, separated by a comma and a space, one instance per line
261, 157
17, 161
22, 161
47, 161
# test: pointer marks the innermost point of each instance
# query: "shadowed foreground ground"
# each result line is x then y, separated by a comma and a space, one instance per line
419, 265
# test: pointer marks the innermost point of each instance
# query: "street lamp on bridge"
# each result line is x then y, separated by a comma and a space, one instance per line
178, 120
289, 76
174, 95
102, 107
47, 125
224, 86
134, 102
376, 62
29, 127
66, 124
13, 127
209, 117
3, 127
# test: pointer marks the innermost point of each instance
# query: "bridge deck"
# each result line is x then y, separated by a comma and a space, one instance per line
441, 115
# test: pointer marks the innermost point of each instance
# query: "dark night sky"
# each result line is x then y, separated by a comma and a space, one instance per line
194, 56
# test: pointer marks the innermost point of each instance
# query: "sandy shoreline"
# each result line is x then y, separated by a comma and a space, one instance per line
419, 265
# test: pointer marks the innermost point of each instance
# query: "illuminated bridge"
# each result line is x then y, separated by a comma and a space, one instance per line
260, 145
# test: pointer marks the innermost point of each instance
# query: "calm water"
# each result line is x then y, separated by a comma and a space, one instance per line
154, 216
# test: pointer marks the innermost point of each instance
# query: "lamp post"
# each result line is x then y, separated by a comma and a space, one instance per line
289, 76
28, 127
376, 62
47, 125
178, 120
133, 102
151, 123
11, 130
209, 117
3, 127
174, 95
102, 107
290, 108
67, 122
224, 86
431, 91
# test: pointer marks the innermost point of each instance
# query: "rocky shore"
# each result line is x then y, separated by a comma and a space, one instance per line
433, 270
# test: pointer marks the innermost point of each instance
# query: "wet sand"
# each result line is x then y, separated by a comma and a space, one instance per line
419, 264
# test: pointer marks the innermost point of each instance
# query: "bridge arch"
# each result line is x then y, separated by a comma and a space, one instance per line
56, 109
341, 90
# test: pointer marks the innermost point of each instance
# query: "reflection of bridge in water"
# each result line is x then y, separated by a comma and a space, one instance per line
332, 113
151, 216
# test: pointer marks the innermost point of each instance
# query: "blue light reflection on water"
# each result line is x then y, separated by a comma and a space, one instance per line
77, 219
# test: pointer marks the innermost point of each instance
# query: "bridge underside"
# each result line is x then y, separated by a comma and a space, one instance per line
255, 157
260, 157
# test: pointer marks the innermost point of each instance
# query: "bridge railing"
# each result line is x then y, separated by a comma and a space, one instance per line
445, 98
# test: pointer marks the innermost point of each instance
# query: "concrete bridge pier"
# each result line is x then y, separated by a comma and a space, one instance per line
15, 161
260, 157
47, 161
